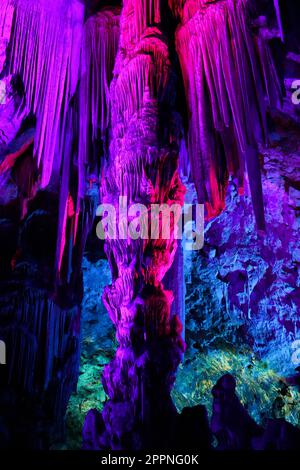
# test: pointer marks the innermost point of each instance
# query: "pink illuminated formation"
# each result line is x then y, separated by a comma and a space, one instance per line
101, 90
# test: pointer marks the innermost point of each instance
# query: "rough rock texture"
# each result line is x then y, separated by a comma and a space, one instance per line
255, 279
242, 301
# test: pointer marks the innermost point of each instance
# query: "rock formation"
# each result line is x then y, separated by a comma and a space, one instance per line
223, 85
99, 101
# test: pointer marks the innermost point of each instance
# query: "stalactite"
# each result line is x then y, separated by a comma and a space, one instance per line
98, 53
98, 50
138, 16
41, 44
45, 51
226, 77
279, 20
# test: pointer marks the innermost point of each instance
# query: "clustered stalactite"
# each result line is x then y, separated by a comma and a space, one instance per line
65, 65
227, 75
87, 118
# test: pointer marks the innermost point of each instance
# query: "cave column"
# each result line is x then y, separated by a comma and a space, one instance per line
143, 168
